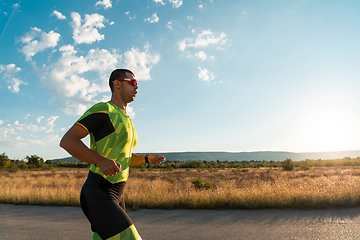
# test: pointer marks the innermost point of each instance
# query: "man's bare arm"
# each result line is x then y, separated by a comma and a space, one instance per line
154, 159
72, 143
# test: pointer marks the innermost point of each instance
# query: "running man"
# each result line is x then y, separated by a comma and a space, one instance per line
112, 139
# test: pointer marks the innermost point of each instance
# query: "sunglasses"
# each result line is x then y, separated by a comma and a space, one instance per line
129, 80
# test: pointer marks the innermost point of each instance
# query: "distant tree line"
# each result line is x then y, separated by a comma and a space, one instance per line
287, 164
36, 162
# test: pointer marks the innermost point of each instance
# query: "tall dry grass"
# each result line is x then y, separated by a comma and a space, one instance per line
42, 187
258, 188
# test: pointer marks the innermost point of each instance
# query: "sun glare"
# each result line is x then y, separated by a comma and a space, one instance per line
330, 133
326, 126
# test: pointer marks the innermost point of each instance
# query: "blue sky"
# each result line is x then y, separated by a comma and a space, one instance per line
213, 75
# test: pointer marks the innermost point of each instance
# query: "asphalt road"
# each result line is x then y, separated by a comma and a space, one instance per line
35, 222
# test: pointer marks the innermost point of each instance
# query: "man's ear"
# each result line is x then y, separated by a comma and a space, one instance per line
117, 84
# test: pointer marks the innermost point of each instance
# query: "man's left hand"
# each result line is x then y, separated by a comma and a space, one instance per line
155, 159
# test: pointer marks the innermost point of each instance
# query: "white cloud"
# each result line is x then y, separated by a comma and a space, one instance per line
19, 134
207, 37
36, 40
39, 119
168, 25
86, 31
111, 23
27, 115
140, 62
58, 15
75, 92
16, 5
130, 112
15, 85
201, 55
182, 45
176, 3
205, 75
131, 18
52, 138
9, 71
201, 6
204, 39
190, 18
160, 1
50, 124
152, 19
106, 3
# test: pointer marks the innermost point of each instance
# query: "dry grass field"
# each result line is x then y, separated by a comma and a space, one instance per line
328, 187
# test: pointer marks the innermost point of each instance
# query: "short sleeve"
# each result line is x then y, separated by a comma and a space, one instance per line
96, 123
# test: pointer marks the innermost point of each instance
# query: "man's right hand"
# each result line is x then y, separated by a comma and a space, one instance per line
109, 167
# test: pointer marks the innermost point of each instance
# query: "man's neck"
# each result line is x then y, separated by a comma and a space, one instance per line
119, 103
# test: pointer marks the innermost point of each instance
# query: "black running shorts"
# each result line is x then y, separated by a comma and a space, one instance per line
103, 204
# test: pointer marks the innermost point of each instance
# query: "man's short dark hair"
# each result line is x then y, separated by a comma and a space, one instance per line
118, 74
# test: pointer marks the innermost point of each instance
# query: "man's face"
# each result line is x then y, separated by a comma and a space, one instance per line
128, 90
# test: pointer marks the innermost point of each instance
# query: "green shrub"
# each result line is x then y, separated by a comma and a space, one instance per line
13, 168
288, 165
201, 184
170, 179
35, 161
208, 185
304, 165
4, 161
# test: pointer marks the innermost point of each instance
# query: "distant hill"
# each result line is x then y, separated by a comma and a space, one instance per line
67, 159
247, 156
257, 156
